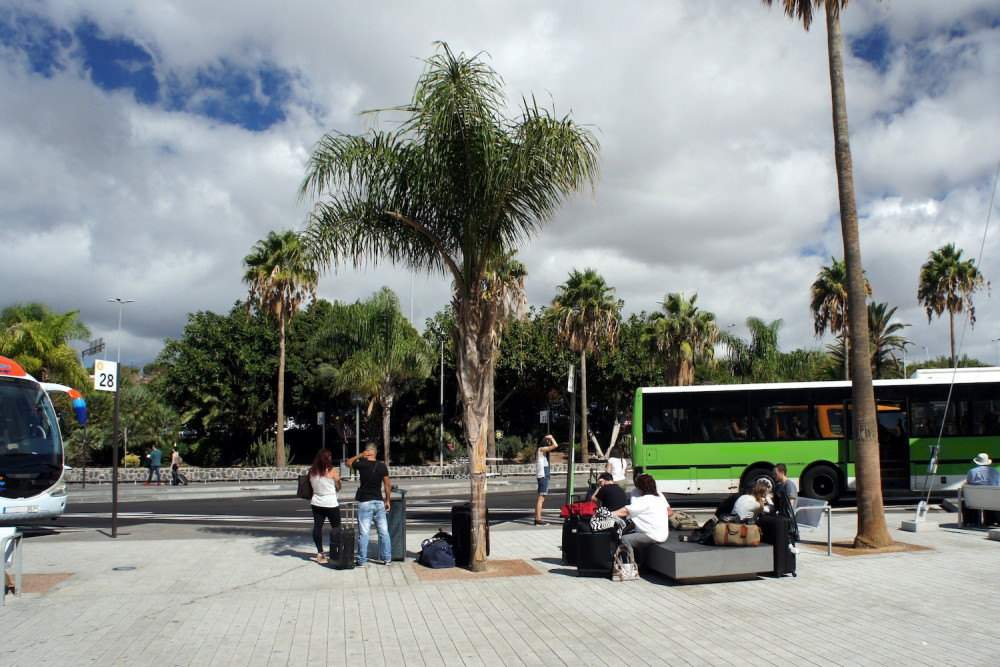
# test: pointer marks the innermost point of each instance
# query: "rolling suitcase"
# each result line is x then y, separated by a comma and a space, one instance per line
344, 541
461, 533
569, 546
595, 551
779, 531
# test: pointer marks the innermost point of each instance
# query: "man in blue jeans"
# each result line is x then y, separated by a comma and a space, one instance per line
374, 475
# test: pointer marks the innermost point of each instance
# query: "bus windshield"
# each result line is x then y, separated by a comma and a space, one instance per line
31, 455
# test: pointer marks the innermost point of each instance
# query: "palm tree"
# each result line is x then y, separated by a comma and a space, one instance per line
585, 311
872, 531
678, 335
38, 339
829, 305
885, 340
455, 188
280, 275
948, 283
756, 359
382, 354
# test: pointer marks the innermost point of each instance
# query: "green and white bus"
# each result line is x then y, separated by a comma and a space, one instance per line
720, 438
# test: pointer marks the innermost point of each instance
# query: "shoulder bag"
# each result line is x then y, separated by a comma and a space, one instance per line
737, 534
305, 490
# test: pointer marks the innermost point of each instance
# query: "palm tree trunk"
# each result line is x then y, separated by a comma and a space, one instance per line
386, 412
872, 531
280, 435
847, 357
474, 360
951, 329
585, 434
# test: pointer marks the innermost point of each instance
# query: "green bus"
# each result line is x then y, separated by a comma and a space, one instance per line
721, 438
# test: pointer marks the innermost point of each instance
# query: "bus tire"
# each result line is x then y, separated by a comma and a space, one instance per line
821, 482
754, 475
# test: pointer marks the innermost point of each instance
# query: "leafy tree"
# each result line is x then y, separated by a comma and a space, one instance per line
829, 305
280, 275
872, 530
217, 378
455, 188
757, 358
38, 339
586, 312
679, 335
948, 283
382, 353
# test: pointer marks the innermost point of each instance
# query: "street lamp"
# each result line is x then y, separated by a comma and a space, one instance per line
994, 341
927, 353
114, 449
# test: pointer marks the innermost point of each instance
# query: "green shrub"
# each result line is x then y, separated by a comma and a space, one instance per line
130, 461
264, 453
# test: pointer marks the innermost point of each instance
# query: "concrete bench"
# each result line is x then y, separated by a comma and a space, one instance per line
10, 556
977, 498
693, 563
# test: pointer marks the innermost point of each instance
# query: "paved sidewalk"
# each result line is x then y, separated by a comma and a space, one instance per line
240, 598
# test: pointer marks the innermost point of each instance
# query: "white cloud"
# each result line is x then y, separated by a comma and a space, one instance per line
714, 120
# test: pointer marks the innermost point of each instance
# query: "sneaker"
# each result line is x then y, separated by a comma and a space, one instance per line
359, 563
146, 483
321, 559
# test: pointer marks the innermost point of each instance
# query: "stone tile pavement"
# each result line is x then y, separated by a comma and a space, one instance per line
245, 598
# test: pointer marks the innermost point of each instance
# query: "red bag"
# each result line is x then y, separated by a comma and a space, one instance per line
578, 509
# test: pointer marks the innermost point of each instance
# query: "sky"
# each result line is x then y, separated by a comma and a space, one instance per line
145, 148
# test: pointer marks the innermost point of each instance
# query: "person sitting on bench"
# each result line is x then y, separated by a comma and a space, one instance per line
749, 506
649, 512
608, 493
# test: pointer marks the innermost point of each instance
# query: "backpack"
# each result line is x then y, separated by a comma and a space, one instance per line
436, 552
305, 490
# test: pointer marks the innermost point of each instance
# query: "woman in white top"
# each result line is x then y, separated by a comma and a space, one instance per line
750, 505
325, 483
650, 512
617, 467
542, 472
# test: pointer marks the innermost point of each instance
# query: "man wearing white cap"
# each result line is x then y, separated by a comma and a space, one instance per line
984, 474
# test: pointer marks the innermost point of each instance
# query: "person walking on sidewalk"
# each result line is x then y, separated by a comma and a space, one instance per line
155, 461
325, 482
543, 471
175, 464
373, 476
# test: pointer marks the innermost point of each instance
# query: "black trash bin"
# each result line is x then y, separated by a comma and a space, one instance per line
397, 523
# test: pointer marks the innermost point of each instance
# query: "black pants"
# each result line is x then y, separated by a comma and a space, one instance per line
320, 515
175, 477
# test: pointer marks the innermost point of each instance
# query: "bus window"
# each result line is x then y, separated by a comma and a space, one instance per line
665, 419
985, 411
927, 410
721, 416
779, 415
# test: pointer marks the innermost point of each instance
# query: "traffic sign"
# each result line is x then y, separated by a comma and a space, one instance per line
106, 375
543, 417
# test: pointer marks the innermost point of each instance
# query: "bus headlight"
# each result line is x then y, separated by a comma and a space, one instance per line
58, 490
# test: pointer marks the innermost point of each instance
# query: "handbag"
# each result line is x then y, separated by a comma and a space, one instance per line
737, 534
625, 568
305, 490
683, 521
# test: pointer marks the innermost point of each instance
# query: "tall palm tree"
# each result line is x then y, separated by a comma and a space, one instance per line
829, 305
872, 531
585, 310
457, 186
382, 354
948, 283
38, 339
678, 335
885, 340
280, 274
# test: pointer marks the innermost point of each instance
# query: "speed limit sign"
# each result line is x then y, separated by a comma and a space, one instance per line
106, 375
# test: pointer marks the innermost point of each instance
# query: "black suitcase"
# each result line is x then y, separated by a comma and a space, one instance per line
569, 546
779, 531
344, 541
595, 552
461, 534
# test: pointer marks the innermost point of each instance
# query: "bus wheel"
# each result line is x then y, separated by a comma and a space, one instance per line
821, 483
757, 475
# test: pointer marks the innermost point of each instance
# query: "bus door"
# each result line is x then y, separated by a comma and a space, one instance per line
893, 441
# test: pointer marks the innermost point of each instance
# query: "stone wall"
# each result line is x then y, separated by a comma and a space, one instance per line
240, 475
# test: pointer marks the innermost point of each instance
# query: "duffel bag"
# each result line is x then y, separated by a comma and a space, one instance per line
737, 534
584, 509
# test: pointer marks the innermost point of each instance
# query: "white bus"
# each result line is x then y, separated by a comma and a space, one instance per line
32, 484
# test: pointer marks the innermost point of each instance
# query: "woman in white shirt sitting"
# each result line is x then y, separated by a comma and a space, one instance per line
750, 505
617, 467
325, 482
650, 512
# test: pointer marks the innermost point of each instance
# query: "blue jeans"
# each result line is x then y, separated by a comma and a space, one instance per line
152, 470
366, 511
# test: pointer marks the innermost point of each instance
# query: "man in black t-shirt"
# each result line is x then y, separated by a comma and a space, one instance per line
608, 493
373, 476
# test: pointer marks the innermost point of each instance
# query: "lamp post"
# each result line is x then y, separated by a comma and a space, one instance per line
114, 448
928, 354
441, 431
994, 341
